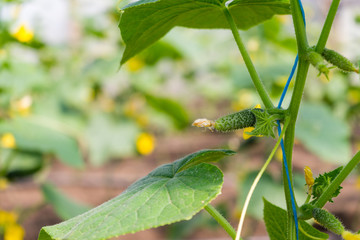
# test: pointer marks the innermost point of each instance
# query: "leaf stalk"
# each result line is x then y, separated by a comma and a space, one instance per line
324, 35
249, 64
257, 179
327, 194
221, 220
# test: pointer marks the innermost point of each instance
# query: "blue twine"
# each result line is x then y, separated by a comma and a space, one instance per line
293, 205
288, 81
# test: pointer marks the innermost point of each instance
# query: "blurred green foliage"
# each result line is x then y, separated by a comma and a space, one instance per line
71, 102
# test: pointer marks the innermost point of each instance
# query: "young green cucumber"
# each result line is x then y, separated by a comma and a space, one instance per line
238, 120
339, 60
318, 62
328, 220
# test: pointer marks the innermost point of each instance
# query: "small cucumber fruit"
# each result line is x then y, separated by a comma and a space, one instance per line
328, 220
238, 120
339, 60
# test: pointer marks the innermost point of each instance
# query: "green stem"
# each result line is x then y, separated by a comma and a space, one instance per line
299, 26
290, 136
327, 26
257, 179
281, 112
308, 198
303, 67
221, 220
250, 66
327, 194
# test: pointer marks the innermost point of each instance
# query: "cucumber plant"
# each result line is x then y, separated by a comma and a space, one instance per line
177, 191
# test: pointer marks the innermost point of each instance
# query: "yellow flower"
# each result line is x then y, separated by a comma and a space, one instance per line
246, 132
145, 143
279, 155
135, 64
14, 232
3, 183
309, 179
350, 236
23, 105
7, 218
23, 34
8, 141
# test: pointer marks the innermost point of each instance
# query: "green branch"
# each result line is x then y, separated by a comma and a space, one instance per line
250, 66
290, 137
327, 26
221, 220
327, 194
299, 26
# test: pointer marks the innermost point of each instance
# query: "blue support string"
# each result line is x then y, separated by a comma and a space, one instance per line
293, 205
288, 82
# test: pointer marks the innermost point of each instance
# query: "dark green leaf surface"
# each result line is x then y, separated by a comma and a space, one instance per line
276, 223
311, 231
30, 136
63, 206
170, 193
146, 21
323, 134
323, 181
275, 220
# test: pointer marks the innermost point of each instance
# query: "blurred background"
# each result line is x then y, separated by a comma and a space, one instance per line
76, 130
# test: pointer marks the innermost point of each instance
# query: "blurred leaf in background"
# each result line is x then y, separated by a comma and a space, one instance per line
63, 206
108, 139
33, 137
269, 188
323, 134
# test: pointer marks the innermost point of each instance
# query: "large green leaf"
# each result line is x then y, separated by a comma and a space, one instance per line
63, 206
324, 134
276, 224
31, 136
170, 193
275, 220
146, 21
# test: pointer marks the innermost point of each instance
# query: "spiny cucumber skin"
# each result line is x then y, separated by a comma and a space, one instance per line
328, 220
338, 60
238, 120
